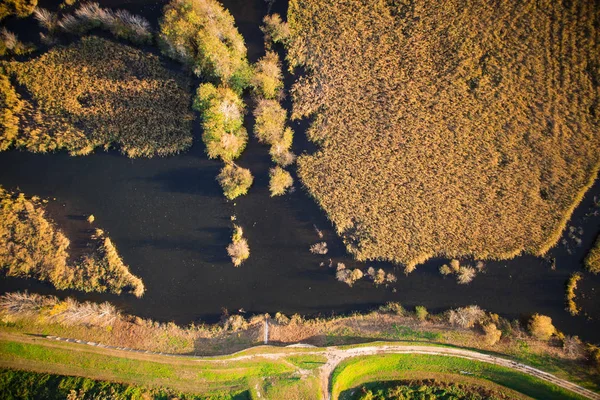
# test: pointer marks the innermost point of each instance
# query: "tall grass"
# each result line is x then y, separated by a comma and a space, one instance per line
98, 93
32, 247
88, 16
435, 131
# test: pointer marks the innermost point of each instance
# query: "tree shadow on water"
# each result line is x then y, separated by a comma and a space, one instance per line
201, 181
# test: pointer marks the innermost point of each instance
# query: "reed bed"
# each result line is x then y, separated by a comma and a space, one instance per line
31, 246
592, 260
97, 93
456, 128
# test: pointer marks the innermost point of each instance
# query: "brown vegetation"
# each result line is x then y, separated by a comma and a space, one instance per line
32, 247
11, 45
466, 317
592, 260
570, 296
96, 93
480, 115
492, 334
238, 249
319, 248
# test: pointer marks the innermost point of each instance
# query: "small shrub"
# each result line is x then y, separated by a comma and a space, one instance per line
393, 308
222, 112
454, 265
570, 294
235, 180
270, 117
281, 319
275, 30
235, 323
466, 317
572, 346
465, 275
445, 270
280, 181
267, 79
238, 250
421, 313
91, 218
492, 334
10, 44
319, 248
540, 327
390, 278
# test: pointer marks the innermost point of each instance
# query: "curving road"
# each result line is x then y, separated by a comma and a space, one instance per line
336, 355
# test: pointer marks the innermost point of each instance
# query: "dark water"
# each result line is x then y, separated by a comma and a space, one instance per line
171, 224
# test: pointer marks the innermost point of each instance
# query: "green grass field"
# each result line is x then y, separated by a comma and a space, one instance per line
356, 371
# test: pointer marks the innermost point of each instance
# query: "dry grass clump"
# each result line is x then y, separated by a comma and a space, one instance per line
88, 16
464, 273
483, 115
279, 181
32, 247
202, 34
68, 312
592, 260
20, 8
570, 295
222, 112
97, 93
235, 180
11, 45
466, 317
275, 30
267, 80
348, 276
319, 248
491, 334
238, 249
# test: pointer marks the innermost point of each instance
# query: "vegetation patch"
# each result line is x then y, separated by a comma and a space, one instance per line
20, 8
570, 295
235, 180
97, 93
31, 246
280, 181
238, 249
202, 35
592, 260
222, 112
442, 125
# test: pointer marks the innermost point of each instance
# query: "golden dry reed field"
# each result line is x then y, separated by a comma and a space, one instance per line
454, 128
97, 93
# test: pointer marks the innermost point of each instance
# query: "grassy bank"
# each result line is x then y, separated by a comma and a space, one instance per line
564, 357
208, 379
356, 371
474, 118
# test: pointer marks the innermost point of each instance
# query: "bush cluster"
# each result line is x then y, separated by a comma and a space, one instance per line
429, 112
238, 250
202, 34
279, 181
275, 30
97, 93
222, 114
235, 180
20, 8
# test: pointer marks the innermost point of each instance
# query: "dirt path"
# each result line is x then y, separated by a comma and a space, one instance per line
334, 356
